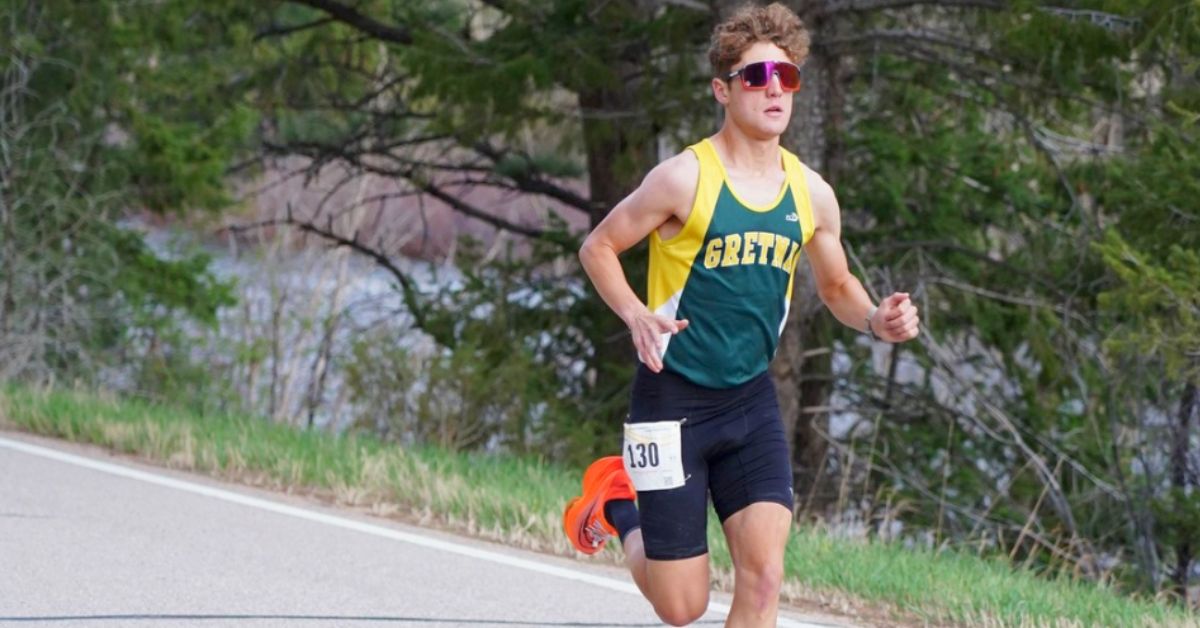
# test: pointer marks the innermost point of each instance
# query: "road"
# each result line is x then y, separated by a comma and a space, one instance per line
88, 539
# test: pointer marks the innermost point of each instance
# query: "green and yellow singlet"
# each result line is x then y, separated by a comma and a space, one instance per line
729, 271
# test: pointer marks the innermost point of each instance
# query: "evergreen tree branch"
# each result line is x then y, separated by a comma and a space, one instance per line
981, 79
991, 78
276, 30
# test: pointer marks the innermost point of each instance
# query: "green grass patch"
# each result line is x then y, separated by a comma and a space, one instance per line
519, 501
961, 589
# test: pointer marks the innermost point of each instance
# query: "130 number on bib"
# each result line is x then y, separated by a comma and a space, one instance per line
653, 455
641, 455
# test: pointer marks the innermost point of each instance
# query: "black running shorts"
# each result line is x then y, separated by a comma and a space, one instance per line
733, 448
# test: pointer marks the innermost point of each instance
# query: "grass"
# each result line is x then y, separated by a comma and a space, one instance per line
519, 501
950, 587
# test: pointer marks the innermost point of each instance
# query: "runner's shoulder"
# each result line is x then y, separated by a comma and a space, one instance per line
675, 176
817, 184
824, 201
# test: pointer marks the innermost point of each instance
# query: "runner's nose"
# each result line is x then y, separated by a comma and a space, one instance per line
774, 85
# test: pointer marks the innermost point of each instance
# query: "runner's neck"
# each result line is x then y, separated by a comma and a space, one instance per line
746, 156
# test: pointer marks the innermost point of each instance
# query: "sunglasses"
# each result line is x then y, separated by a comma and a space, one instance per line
758, 75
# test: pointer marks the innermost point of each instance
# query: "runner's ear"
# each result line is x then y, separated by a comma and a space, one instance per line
720, 91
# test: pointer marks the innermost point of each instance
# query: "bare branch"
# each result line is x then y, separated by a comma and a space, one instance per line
694, 5
524, 182
474, 212
1108, 21
836, 7
1007, 298
322, 153
533, 183
351, 17
965, 250
1058, 499
937, 38
407, 287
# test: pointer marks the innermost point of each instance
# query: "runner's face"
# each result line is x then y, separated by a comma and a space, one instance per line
760, 113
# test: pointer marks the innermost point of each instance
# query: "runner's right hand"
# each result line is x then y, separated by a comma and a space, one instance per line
647, 329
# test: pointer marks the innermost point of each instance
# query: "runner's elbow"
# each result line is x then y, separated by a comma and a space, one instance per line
833, 290
593, 249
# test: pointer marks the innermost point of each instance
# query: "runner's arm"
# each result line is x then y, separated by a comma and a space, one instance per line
896, 319
665, 193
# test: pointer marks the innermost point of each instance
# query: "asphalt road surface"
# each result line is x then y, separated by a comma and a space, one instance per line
87, 539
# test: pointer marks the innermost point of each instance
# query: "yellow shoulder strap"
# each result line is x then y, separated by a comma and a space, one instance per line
799, 183
671, 260
708, 188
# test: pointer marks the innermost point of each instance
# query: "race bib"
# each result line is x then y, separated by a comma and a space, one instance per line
653, 456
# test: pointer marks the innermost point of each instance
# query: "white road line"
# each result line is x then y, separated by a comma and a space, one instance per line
349, 524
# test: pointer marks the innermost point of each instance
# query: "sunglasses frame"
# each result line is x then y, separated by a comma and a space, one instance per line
771, 73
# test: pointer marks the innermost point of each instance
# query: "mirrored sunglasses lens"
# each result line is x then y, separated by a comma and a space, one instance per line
755, 74
789, 76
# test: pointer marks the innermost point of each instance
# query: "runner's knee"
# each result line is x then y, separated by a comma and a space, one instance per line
764, 582
681, 612
683, 599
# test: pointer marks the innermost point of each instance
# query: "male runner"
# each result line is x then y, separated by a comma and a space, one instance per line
726, 219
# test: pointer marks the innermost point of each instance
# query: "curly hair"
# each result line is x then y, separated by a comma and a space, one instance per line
751, 24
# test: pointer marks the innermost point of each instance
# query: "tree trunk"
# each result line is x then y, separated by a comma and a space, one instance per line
620, 150
803, 366
617, 155
1181, 480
